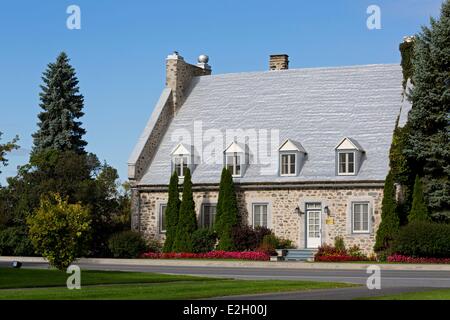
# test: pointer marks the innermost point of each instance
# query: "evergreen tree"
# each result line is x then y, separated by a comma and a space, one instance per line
419, 210
172, 213
7, 147
428, 145
218, 219
62, 105
389, 217
228, 208
187, 222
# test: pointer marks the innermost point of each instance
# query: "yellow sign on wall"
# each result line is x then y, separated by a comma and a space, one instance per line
329, 221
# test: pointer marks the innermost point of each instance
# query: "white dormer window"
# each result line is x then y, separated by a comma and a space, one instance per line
346, 163
291, 154
181, 159
348, 157
235, 159
180, 165
288, 164
234, 164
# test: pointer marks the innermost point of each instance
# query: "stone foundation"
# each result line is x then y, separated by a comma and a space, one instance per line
283, 217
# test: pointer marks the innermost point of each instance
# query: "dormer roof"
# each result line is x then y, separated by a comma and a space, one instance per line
181, 149
291, 145
349, 144
234, 147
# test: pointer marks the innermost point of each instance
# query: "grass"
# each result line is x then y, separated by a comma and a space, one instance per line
440, 294
32, 278
51, 284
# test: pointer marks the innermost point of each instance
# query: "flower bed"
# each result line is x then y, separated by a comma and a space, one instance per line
328, 253
406, 259
245, 255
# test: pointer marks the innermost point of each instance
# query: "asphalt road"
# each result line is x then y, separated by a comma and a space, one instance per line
392, 281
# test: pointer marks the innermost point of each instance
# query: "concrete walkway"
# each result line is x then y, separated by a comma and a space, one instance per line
241, 264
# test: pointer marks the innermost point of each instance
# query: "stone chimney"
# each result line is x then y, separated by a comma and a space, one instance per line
279, 62
180, 73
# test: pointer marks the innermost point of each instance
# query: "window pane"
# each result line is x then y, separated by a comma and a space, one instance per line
264, 217
284, 164
230, 163
351, 162
260, 215
212, 212
162, 225
342, 163
177, 164
237, 160
292, 164
185, 165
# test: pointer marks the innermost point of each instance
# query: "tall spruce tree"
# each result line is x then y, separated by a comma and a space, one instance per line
419, 210
389, 217
187, 222
228, 213
62, 105
172, 213
428, 145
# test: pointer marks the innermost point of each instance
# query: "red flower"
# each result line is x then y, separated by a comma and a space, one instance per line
245, 255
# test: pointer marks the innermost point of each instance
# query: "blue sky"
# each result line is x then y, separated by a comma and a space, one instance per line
119, 53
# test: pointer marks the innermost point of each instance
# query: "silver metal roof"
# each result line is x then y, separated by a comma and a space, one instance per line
317, 107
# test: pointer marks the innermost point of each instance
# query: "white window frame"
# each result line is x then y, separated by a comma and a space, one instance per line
353, 217
235, 155
289, 164
268, 224
202, 220
160, 216
346, 173
181, 157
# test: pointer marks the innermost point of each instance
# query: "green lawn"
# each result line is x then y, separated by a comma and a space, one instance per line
440, 294
51, 284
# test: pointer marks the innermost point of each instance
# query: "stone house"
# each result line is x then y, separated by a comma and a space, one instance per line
308, 148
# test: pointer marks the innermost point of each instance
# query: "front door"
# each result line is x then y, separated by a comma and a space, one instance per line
313, 225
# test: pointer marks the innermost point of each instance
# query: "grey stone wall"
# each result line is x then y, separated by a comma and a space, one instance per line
284, 220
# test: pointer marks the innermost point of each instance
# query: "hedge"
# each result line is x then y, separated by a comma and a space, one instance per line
423, 239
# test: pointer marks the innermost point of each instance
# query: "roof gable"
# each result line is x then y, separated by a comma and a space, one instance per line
234, 147
181, 149
289, 145
348, 144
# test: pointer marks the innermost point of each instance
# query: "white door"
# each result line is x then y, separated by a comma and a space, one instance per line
313, 226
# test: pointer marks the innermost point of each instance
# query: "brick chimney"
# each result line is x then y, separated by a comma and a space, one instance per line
179, 74
279, 62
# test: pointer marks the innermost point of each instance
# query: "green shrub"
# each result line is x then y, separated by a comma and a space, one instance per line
246, 238
355, 251
127, 244
14, 241
271, 242
339, 244
204, 240
285, 244
59, 230
423, 239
